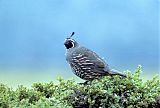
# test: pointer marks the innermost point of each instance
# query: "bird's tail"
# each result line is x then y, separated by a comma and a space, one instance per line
116, 72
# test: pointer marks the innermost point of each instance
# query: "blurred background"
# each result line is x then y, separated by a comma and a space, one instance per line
32, 32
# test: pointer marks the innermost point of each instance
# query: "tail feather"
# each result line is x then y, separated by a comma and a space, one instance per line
116, 72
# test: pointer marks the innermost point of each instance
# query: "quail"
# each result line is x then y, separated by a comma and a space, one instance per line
85, 63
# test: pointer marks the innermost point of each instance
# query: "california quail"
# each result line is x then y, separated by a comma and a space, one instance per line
85, 63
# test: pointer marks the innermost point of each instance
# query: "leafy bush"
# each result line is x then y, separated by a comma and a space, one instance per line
106, 92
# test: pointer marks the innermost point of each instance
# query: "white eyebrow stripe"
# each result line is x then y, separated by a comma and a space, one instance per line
69, 40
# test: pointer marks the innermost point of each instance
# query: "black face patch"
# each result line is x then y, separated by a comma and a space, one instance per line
68, 44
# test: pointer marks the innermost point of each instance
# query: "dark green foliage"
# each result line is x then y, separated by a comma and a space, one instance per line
117, 92
106, 92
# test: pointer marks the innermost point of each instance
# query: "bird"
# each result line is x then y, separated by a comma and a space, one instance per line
85, 63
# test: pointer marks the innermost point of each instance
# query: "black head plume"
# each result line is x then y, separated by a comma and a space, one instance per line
72, 34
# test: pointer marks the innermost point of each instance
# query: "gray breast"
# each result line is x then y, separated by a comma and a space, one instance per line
86, 64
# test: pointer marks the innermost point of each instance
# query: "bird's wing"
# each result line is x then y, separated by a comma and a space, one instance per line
88, 59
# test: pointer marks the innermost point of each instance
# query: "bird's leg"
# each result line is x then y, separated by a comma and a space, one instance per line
85, 83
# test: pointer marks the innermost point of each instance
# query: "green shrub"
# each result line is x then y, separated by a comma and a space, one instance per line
106, 92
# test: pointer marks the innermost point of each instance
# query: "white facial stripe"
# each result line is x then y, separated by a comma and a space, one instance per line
69, 39
73, 43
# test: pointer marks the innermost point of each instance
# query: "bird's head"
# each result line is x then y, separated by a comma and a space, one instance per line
70, 43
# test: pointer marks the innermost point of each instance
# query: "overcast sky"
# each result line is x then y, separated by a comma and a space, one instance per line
124, 32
